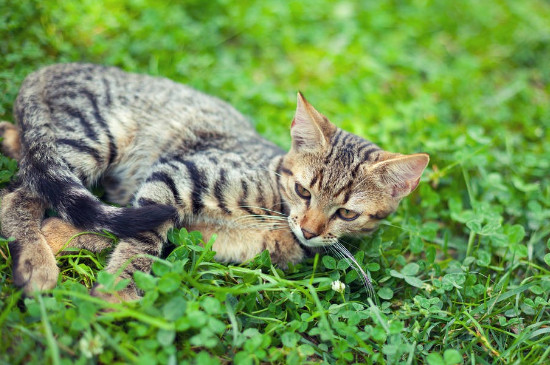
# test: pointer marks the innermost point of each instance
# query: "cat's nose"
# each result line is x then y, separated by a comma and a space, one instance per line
309, 235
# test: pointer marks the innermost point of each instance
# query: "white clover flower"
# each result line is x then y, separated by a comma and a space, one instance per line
91, 346
428, 287
338, 286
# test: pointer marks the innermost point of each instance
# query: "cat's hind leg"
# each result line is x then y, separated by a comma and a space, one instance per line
34, 265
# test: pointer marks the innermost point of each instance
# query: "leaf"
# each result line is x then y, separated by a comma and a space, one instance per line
106, 279
329, 262
483, 258
547, 259
166, 337
515, 233
490, 228
290, 339
265, 259
174, 308
169, 283
396, 274
416, 244
5, 176
525, 187
160, 268
119, 285
306, 350
519, 250
435, 359
410, 269
373, 266
474, 225
145, 281
537, 290
452, 357
385, 293
396, 327
351, 276
183, 236
172, 236
430, 254
414, 281
211, 305
343, 264
389, 350
379, 334
216, 325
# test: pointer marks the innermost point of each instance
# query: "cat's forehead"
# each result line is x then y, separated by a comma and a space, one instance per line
348, 149
337, 172
344, 161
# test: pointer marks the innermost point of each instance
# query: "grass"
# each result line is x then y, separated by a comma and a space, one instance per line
461, 271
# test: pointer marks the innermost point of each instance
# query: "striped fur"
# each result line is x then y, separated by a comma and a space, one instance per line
180, 158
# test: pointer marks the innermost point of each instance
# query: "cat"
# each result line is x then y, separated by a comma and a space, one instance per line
171, 156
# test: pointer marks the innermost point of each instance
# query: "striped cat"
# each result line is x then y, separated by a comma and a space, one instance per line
171, 156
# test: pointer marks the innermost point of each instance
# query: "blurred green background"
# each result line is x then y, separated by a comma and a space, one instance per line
467, 82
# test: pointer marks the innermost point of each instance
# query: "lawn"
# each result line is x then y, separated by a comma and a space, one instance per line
461, 271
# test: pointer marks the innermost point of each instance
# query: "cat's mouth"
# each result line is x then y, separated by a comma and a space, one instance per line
313, 242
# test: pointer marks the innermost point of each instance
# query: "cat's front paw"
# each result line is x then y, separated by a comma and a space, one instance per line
283, 248
34, 267
11, 141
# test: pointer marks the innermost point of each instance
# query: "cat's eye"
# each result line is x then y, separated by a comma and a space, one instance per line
302, 192
346, 214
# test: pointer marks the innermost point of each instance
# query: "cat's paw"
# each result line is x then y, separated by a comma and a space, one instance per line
11, 143
283, 248
34, 266
128, 294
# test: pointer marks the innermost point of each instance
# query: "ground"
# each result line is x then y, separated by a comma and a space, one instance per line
461, 271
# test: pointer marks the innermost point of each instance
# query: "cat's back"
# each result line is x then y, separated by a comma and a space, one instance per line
128, 101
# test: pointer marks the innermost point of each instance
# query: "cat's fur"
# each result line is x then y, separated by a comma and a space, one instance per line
180, 158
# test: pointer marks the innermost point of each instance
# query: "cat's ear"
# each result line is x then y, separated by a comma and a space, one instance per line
401, 173
310, 130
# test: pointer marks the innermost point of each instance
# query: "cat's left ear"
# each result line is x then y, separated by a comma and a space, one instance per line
310, 130
401, 173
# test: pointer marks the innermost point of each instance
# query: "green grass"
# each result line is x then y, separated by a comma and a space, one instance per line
461, 271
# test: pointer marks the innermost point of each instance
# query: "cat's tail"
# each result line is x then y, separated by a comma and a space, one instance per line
43, 171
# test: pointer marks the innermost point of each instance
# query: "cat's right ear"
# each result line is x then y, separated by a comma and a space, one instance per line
401, 173
310, 130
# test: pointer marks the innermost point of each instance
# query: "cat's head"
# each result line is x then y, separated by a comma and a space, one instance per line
336, 183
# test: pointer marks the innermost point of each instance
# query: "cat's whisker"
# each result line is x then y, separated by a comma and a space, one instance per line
280, 224
262, 208
365, 278
258, 217
277, 229
261, 217
263, 228
271, 171
261, 224
348, 243
340, 255
256, 223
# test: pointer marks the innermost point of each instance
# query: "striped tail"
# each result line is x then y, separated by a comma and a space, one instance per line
44, 172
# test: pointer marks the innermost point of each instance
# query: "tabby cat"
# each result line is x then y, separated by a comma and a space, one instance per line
170, 156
